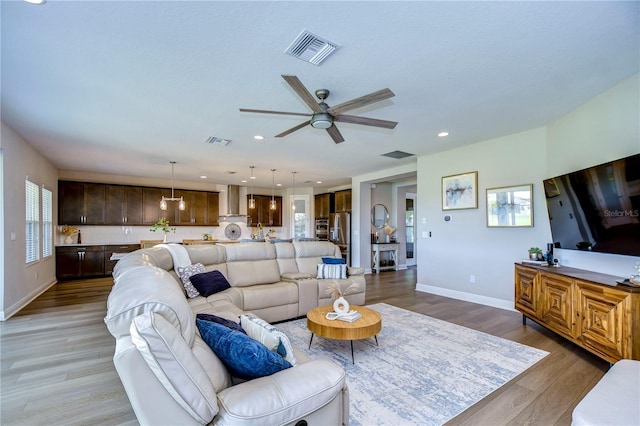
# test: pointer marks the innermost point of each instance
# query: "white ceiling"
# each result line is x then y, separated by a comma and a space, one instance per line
125, 87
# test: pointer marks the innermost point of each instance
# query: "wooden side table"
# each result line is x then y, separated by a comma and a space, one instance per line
368, 326
377, 249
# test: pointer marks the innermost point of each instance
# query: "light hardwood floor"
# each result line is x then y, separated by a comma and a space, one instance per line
57, 369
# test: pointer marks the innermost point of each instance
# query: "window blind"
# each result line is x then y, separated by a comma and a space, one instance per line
32, 231
47, 223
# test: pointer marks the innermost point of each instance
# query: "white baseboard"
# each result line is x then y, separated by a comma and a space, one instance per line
467, 297
12, 310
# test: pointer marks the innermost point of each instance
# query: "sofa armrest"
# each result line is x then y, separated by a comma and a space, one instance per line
353, 270
283, 397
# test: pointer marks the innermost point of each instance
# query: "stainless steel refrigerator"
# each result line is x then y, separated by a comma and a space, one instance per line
340, 233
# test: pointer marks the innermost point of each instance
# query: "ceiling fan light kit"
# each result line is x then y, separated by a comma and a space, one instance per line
324, 116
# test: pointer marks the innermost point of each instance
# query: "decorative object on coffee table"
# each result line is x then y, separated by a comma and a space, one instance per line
340, 304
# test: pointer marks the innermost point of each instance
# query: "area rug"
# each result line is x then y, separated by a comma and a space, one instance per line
424, 372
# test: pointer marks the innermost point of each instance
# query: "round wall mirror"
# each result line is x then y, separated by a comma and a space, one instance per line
379, 216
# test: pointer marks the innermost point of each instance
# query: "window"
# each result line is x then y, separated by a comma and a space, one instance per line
300, 218
32, 230
47, 223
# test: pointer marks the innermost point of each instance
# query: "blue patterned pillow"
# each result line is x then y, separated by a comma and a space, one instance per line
244, 357
333, 260
222, 321
208, 283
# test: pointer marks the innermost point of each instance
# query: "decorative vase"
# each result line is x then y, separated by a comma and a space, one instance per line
340, 305
164, 240
68, 239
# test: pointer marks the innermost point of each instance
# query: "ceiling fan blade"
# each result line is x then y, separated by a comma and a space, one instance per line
293, 129
263, 111
302, 91
365, 121
335, 134
380, 95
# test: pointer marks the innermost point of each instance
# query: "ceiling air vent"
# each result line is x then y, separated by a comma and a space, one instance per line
217, 141
311, 48
397, 154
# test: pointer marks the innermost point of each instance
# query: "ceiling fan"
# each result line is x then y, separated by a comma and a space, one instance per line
324, 116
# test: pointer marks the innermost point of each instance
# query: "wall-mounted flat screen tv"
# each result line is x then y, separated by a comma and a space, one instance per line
597, 209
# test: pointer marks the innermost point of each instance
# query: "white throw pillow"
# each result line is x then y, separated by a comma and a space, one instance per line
260, 330
186, 273
333, 271
174, 364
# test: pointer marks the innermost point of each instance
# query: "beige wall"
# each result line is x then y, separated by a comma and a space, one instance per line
602, 129
22, 283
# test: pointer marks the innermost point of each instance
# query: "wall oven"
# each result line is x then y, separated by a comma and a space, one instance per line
322, 229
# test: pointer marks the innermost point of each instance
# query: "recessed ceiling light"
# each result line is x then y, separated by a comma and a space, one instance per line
278, 184
443, 134
203, 177
318, 181
243, 181
258, 137
36, 1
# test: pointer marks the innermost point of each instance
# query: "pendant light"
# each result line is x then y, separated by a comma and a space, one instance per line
163, 202
273, 189
252, 201
293, 203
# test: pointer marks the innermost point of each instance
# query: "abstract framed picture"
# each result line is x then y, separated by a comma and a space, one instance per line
510, 206
460, 191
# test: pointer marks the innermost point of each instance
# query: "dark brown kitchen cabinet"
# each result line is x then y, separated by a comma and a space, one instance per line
151, 212
213, 208
81, 203
323, 205
123, 205
79, 262
110, 250
196, 208
263, 213
343, 200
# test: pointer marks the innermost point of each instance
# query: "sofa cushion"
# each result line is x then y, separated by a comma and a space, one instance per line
174, 365
332, 271
245, 357
185, 274
269, 336
333, 260
208, 283
222, 321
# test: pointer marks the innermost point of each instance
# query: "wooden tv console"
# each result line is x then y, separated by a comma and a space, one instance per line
588, 308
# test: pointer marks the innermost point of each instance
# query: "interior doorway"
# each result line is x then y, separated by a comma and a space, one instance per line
410, 228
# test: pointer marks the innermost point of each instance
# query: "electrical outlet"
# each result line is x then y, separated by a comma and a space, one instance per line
425, 234
36, 275
472, 279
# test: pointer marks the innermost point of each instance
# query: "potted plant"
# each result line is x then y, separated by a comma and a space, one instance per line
535, 253
163, 225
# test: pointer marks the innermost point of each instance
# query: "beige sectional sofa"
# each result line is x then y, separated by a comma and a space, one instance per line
170, 374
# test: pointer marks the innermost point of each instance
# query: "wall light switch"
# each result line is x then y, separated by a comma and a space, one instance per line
424, 220
13, 236
425, 234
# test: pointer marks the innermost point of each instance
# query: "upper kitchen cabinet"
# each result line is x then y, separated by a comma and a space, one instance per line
197, 210
213, 208
123, 205
263, 214
151, 212
323, 205
343, 201
81, 203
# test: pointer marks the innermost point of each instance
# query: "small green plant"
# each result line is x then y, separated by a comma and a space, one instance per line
163, 225
535, 250
207, 237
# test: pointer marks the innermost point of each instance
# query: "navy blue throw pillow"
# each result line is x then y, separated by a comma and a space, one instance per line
244, 357
222, 321
208, 283
333, 260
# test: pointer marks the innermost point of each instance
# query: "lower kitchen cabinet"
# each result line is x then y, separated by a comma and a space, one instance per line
111, 250
79, 261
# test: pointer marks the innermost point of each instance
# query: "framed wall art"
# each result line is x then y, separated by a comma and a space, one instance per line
460, 191
510, 206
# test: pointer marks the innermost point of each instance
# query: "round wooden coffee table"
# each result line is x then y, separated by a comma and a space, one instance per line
368, 326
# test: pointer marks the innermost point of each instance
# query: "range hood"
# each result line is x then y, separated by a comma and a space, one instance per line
233, 206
